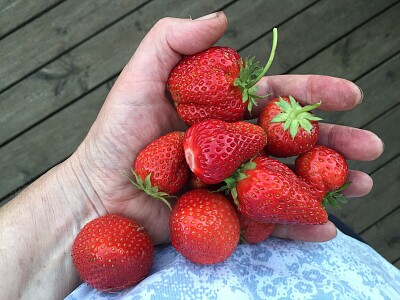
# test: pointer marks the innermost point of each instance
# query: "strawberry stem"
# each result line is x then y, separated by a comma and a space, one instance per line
270, 59
236, 176
251, 73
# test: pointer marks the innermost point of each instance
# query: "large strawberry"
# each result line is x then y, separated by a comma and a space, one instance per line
326, 170
291, 128
160, 168
216, 84
204, 227
112, 252
214, 149
266, 190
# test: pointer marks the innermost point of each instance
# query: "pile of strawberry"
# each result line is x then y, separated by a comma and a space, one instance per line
228, 187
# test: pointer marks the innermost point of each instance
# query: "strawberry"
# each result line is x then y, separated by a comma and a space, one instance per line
216, 84
160, 168
291, 129
195, 182
204, 227
267, 191
253, 232
214, 149
112, 252
324, 169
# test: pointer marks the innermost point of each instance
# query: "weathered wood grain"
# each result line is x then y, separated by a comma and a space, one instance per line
14, 13
384, 236
49, 142
347, 57
55, 32
384, 127
380, 94
397, 264
360, 213
314, 29
87, 66
257, 18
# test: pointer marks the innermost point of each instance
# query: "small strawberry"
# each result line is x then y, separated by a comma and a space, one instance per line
267, 191
214, 149
325, 169
160, 168
195, 182
112, 252
253, 232
204, 227
291, 128
216, 84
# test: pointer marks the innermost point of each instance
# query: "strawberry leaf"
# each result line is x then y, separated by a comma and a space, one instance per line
294, 126
335, 198
294, 116
150, 190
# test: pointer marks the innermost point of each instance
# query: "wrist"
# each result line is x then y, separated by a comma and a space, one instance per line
76, 185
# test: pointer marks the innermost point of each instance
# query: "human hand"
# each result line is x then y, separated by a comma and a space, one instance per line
138, 110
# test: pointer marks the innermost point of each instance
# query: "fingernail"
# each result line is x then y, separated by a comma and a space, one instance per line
208, 17
362, 95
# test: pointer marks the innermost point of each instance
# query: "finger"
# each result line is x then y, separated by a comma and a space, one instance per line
352, 143
361, 184
334, 93
168, 40
306, 233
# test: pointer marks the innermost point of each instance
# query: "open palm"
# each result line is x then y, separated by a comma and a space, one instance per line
138, 111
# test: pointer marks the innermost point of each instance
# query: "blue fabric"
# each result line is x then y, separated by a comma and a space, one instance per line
343, 268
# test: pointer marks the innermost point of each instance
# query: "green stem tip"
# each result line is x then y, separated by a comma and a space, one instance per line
251, 73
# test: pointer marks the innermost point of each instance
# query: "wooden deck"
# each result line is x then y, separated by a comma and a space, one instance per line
59, 58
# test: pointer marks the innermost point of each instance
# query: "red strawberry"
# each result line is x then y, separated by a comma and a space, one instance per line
254, 232
112, 252
160, 168
216, 84
324, 169
204, 227
214, 149
290, 128
267, 191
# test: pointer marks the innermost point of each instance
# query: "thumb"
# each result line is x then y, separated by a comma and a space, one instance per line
168, 40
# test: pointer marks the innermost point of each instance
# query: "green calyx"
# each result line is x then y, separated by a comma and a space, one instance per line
294, 116
150, 190
335, 198
251, 73
236, 176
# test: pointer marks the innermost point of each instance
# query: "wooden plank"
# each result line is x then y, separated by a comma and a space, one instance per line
14, 13
397, 264
358, 48
385, 128
55, 32
251, 22
384, 236
359, 213
380, 87
93, 62
314, 29
53, 137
